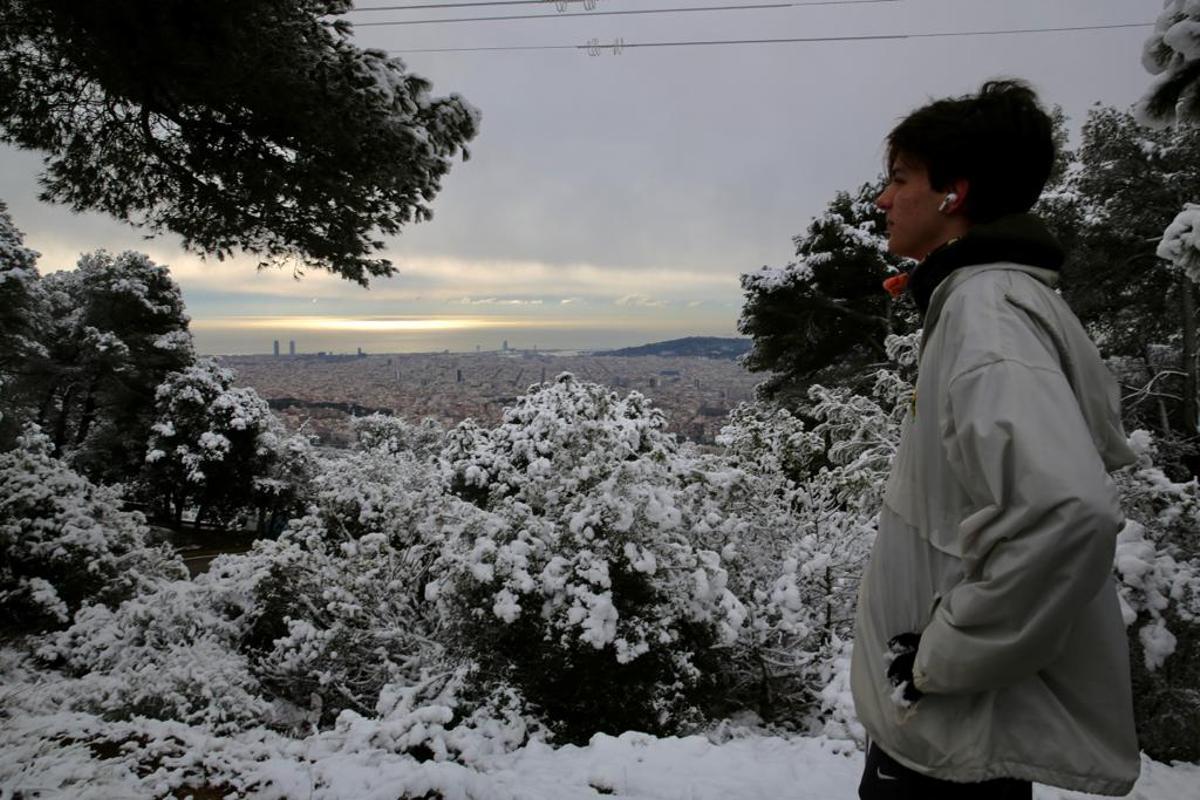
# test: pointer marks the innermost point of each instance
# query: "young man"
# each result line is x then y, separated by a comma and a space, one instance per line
990, 650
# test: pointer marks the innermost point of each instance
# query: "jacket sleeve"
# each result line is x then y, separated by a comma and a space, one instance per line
1039, 544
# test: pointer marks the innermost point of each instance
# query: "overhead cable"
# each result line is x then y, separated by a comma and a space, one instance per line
788, 40
426, 6
626, 12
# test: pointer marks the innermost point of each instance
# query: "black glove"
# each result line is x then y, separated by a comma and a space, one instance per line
901, 656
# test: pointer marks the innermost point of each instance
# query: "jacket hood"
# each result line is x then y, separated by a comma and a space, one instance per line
1015, 238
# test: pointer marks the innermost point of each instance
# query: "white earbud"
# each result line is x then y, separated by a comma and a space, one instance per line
947, 201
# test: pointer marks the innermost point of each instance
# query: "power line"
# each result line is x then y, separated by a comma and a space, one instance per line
570, 14
424, 6
788, 40
1012, 31
457, 5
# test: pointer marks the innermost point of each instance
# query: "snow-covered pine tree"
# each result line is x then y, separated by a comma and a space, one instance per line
116, 328
214, 448
1129, 183
238, 126
22, 316
826, 314
1172, 55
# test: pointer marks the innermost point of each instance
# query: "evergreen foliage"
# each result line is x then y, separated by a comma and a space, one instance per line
237, 126
215, 447
65, 542
1129, 183
825, 316
797, 567
82, 351
581, 584
1172, 54
22, 317
117, 329
1158, 565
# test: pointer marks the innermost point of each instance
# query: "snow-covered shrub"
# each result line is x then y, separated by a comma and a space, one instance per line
582, 583
442, 718
286, 484
423, 439
799, 575
170, 652
65, 542
1158, 567
334, 621
377, 489
772, 442
292, 635
837, 715
213, 446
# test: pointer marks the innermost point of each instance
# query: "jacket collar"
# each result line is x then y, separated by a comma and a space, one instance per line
961, 276
1015, 239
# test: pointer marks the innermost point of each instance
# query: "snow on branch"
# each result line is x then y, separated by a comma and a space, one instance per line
1172, 54
1180, 243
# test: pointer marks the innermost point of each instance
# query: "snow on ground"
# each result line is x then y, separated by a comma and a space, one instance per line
79, 756
48, 750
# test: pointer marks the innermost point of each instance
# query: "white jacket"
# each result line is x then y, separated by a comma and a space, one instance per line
996, 543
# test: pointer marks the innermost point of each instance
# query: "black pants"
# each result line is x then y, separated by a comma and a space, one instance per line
886, 779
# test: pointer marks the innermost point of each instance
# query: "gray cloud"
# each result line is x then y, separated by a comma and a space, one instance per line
660, 173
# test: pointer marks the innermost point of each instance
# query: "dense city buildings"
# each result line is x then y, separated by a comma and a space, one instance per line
324, 391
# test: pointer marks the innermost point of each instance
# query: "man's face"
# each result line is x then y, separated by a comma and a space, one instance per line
915, 225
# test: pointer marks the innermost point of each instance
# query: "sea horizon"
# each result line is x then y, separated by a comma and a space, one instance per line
348, 336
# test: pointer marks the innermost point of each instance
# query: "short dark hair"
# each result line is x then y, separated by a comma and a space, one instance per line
999, 140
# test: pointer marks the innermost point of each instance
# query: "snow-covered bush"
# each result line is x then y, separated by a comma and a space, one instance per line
582, 583
1158, 568
377, 489
286, 485
442, 718
798, 574
772, 442
299, 633
335, 621
65, 542
215, 447
161, 656
423, 439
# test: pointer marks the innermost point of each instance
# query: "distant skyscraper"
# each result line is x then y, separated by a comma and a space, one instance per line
291, 347
277, 348
506, 345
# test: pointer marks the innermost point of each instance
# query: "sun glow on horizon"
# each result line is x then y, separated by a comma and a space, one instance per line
364, 324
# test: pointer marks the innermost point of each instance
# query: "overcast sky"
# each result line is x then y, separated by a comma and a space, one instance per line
628, 191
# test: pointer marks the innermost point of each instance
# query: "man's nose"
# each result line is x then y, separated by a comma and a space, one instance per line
883, 202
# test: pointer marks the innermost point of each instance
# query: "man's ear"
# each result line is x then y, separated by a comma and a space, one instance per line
960, 187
